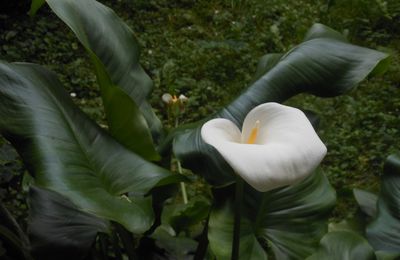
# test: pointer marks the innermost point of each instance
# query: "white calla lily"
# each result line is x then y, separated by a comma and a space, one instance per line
277, 146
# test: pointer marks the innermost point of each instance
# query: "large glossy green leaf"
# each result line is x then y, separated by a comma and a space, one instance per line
318, 31
58, 230
290, 220
126, 122
67, 152
114, 51
322, 65
266, 63
343, 245
384, 232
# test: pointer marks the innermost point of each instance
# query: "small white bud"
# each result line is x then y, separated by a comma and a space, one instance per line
167, 98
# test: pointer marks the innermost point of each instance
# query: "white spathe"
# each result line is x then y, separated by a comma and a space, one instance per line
286, 148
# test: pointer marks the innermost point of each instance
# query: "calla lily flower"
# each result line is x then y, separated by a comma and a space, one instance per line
277, 145
183, 98
169, 99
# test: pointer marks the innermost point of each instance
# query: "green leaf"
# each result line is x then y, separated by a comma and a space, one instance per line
384, 255
291, 220
182, 216
322, 31
266, 63
367, 201
220, 235
383, 233
35, 6
322, 66
201, 158
68, 153
354, 224
176, 247
58, 230
343, 245
125, 120
114, 51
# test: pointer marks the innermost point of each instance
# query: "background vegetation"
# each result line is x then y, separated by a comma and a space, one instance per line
208, 50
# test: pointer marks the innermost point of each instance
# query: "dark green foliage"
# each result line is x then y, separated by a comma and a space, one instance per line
14, 244
124, 84
67, 152
383, 233
175, 247
343, 245
367, 201
11, 172
58, 229
290, 221
183, 216
208, 50
35, 6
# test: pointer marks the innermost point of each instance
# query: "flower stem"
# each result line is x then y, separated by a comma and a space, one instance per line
183, 186
238, 211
